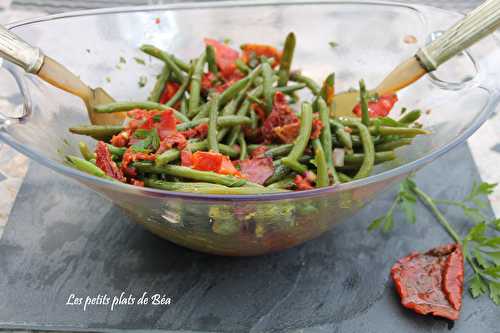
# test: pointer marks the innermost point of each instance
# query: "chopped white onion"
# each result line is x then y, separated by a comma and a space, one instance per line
338, 157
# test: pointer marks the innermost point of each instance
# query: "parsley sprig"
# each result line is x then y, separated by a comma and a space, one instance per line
481, 245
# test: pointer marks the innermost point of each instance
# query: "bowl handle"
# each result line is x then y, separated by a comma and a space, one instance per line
15, 113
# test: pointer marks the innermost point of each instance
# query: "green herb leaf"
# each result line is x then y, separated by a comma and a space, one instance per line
150, 141
493, 271
494, 291
477, 287
376, 223
480, 189
476, 233
496, 224
122, 60
480, 259
388, 221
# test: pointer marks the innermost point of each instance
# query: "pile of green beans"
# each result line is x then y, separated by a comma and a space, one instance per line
231, 115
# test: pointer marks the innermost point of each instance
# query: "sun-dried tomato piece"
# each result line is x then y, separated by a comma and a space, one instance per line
104, 161
280, 116
186, 158
215, 162
120, 139
199, 132
251, 51
131, 156
317, 126
431, 282
169, 91
378, 108
287, 133
176, 140
305, 181
257, 170
166, 125
258, 152
225, 57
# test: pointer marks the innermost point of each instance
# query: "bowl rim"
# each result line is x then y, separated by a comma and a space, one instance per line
492, 102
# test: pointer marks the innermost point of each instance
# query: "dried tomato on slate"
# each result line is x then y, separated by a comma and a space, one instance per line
257, 170
432, 282
378, 108
104, 161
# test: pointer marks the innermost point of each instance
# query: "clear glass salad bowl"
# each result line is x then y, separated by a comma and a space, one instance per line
370, 39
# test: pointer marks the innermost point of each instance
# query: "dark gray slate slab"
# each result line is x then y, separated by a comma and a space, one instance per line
63, 239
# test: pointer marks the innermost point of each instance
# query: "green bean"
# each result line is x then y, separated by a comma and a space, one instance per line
231, 107
342, 135
184, 107
179, 94
380, 157
363, 101
233, 90
223, 121
254, 119
368, 147
195, 88
301, 141
127, 106
326, 137
286, 60
203, 113
344, 178
205, 188
188, 173
212, 124
98, 132
322, 178
86, 166
181, 64
85, 151
400, 131
279, 150
281, 171
391, 145
164, 56
310, 83
116, 151
174, 154
159, 87
291, 88
283, 184
410, 117
243, 111
267, 73
243, 146
212, 66
242, 67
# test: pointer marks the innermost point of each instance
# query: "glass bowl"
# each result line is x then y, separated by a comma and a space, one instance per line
371, 38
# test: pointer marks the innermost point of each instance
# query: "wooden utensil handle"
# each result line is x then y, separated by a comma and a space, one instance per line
474, 26
17, 51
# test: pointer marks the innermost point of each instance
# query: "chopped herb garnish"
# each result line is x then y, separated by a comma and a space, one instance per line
143, 80
123, 60
108, 79
333, 44
150, 141
227, 40
140, 61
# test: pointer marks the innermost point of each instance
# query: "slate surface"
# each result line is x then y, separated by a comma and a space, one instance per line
64, 239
